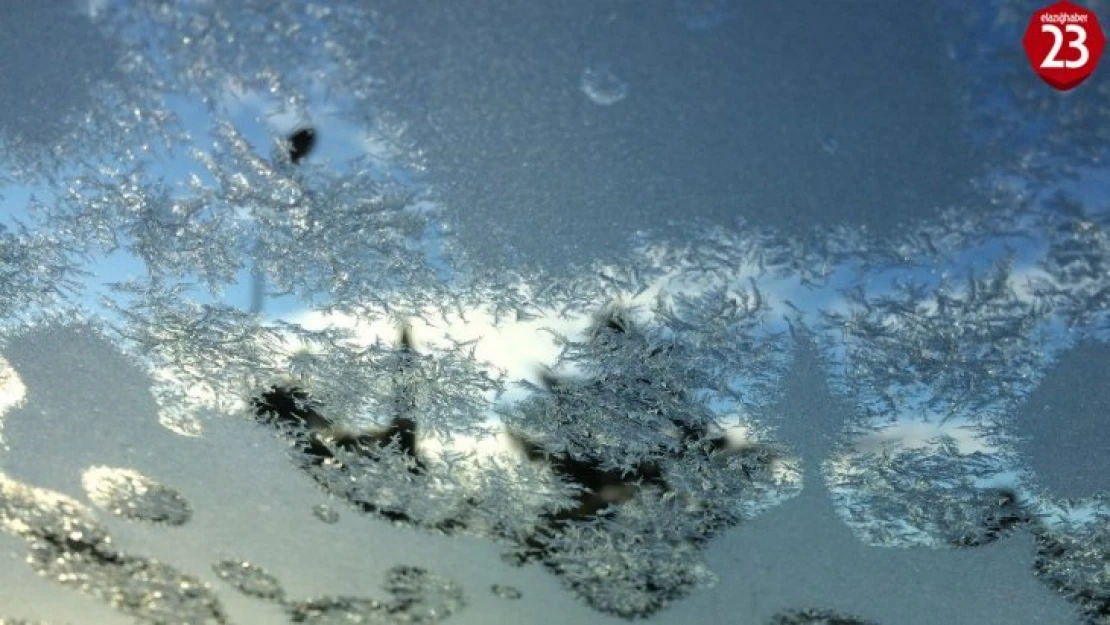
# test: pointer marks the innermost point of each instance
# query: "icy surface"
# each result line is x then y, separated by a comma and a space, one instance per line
246, 377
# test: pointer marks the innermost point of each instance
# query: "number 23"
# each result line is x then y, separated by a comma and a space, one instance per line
1051, 61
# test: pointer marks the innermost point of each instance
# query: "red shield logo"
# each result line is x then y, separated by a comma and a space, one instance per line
1064, 43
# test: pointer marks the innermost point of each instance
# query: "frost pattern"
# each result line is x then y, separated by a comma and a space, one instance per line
630, 451
66, 544
249, 579
325, 513
349, 235
34, 273
1072, 559
1076, 265
621, 455
968, 350
130, 494
816, 617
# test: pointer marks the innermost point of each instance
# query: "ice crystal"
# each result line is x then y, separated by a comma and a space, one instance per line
35, 273
63, 102
505, 592
1072, 559
888, 500
629, 437
249, 579
1077, 265
200, 47
67, 545
325, 513
416, 596
967, 350
816, 617
631, 567
123, 209
349, 234
659, 478
617, 469
132, 495
215, 352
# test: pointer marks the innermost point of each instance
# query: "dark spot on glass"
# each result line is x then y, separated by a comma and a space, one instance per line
301, 143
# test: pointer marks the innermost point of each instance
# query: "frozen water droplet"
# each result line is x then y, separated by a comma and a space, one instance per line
131, 495
506, 592
602, 85
325, 513
249, 579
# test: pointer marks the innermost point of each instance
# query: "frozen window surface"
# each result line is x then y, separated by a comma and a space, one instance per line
338, 313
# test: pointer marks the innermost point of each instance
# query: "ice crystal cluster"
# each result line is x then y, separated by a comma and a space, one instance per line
66, 544
130, 494
397, 392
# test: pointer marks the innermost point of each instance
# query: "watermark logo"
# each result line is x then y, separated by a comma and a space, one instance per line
1064, 42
